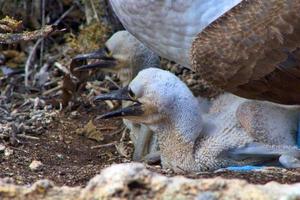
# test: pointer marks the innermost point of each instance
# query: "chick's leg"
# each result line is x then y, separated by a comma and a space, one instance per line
134, 132
144, 141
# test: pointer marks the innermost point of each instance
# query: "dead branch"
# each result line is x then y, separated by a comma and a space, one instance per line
104, 145
10, 38
29, 59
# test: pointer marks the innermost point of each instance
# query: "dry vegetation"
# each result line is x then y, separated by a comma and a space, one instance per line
46, 113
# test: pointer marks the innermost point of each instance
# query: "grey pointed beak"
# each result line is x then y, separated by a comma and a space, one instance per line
105, 61
122, 94
130, 111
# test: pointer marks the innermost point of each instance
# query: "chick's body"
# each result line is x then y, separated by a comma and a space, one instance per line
192, 141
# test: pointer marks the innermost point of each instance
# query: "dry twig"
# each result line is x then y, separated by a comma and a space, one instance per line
29, 59
11, 38
104, 145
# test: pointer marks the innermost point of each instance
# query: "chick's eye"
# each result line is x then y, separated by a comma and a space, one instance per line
131, 94
107, 51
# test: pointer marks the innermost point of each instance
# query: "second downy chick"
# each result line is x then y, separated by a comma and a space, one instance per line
124, 55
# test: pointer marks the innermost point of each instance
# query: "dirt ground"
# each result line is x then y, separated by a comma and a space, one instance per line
72, 159
68, 158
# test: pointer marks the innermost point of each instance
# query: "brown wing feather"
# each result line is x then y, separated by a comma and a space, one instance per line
247, 51
281, 85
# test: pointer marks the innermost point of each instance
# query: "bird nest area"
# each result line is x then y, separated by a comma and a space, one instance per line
73, 146
48, 121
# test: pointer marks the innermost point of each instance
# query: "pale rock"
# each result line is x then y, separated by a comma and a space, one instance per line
122, 181
8, 152
36, 165
2, 148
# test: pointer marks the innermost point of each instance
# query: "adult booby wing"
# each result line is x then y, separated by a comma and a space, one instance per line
253, 51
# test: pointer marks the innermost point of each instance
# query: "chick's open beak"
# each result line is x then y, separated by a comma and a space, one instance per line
105, 60
122, 94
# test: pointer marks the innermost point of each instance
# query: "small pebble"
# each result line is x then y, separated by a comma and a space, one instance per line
36, 165
74, 114
2, 148
8, 152
60, 156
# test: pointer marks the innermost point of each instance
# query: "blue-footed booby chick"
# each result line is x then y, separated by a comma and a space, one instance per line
234, 131
125, 55
249, 48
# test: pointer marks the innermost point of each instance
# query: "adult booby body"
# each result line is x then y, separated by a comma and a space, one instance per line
249, 48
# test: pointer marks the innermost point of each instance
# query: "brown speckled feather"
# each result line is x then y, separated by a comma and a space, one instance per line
252, 51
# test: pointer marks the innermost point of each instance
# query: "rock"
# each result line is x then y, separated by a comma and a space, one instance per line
60, 156
2, 148
124, 180
43, 189
134, 181
8, 152
36, 165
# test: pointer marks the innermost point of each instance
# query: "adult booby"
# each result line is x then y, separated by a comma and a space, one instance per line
235, 131
124, 55
249, 48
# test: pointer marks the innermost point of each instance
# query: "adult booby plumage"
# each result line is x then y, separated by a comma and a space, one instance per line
249, 48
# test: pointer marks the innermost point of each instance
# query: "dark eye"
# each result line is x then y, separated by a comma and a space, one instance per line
107, 51
131, 94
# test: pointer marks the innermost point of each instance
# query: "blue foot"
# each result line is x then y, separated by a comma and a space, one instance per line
244, 168
298, 133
